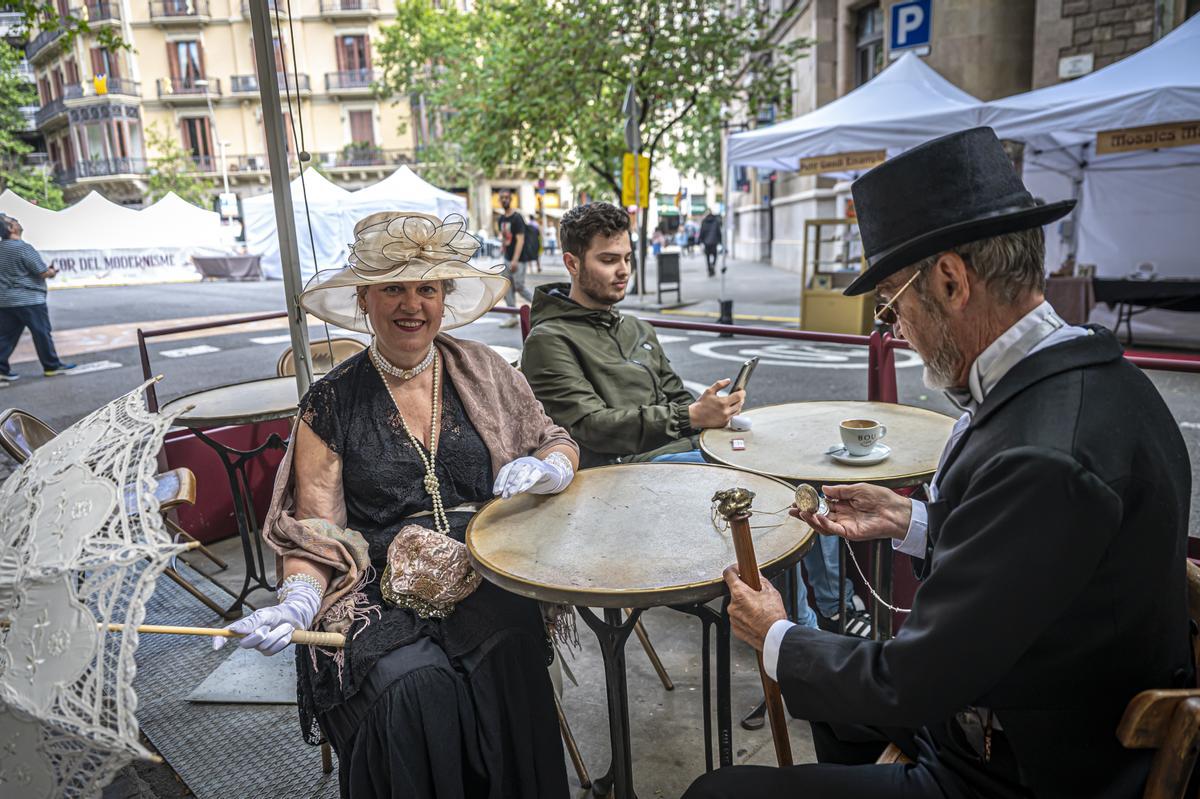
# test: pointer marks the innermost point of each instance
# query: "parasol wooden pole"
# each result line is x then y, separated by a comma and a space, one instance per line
334, 640
743, 546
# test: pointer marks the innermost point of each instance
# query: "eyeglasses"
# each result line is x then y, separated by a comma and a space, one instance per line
885, 312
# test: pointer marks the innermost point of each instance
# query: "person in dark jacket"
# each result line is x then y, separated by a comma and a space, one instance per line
602, 374
710, 237
1052, 550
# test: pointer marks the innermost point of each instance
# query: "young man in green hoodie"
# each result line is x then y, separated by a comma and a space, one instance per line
601, 374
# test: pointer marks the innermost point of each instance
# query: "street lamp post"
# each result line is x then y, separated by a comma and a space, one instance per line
224, 167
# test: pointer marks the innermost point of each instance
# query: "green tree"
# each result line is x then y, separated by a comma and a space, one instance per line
16, 172
524, 82
172, 169
43, 16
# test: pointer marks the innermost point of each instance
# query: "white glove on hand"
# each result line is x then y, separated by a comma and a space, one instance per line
739, 423
270, 630
534, 475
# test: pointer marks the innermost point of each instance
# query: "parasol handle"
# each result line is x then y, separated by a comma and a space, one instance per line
743, 546
333, 640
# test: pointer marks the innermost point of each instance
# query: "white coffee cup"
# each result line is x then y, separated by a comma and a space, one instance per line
859, 436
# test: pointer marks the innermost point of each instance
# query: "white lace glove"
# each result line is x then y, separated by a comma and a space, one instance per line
739, 423
534, 475
270, 630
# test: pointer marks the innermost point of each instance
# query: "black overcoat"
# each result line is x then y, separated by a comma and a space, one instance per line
1053, 584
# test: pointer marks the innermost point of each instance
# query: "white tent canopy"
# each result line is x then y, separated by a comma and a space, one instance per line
906, 104
96, 242
404, 190
331, 215
1134, 206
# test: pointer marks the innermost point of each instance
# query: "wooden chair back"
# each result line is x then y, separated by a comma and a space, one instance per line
21, 433
341, 347
1168, 722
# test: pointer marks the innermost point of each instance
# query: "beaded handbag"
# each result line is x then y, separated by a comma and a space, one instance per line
427, 572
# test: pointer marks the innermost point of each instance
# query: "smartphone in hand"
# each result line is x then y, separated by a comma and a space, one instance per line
743, 376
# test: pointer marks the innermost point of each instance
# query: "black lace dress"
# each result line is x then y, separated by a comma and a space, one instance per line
457, 707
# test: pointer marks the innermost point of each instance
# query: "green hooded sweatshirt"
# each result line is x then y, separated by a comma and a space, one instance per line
605, 378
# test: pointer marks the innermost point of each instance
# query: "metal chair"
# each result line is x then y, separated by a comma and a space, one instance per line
326, 353
21, 433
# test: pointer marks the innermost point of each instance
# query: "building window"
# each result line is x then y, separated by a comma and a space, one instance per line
354, 53
186, 62
197, 140
362, 127
868, 49
105, 63
72, 72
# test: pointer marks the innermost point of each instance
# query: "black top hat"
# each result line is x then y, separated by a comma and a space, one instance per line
946, 192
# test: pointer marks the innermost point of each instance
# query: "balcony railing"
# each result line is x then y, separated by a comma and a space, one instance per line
25, 70
115, 86
363, 156
188, 87
248, 84
101, 167
30, 115
350, 79
270, 8
349, 7
49, 111
102, 11
178, 9
42, 41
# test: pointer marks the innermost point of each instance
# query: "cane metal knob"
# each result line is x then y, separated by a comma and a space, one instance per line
733, 502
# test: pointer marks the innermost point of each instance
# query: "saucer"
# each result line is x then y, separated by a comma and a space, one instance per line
878, 454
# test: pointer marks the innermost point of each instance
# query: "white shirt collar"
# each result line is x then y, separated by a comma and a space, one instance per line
1009, 348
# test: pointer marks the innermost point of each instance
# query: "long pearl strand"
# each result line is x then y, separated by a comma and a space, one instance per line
384, 365
432, 486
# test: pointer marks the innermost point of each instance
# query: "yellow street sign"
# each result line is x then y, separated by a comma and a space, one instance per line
643, 179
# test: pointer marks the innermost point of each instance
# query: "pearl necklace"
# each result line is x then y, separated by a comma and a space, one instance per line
384, 365
431, 484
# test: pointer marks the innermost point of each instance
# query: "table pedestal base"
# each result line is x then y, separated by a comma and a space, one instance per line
234, 461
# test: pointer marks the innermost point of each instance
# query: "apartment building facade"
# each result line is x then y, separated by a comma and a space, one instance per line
988, 48
190, 75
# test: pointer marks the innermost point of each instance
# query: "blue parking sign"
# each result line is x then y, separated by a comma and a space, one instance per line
911, 24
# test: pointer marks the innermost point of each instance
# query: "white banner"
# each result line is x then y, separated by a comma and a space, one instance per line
116, 267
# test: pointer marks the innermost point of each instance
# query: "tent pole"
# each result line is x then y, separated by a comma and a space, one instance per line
285, 219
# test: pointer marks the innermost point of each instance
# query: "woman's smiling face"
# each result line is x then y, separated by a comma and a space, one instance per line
405, 317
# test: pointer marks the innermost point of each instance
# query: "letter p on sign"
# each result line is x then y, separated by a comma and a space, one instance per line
910, 24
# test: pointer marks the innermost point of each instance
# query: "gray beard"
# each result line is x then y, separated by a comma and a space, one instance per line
941, 365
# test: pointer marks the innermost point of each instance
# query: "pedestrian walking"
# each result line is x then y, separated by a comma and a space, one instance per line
533, 244
23, 277
511, 228
710, 237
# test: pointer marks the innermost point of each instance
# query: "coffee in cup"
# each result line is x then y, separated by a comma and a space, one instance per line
859, 436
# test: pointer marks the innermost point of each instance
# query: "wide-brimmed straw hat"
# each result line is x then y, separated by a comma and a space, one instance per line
400, 247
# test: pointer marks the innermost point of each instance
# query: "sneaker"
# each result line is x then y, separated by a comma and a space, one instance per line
510, 322
61, 370
9, 378
858, 622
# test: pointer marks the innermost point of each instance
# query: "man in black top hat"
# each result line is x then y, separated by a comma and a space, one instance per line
1052, 550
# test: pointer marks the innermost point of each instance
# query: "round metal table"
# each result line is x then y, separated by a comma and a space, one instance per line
634, 536
789, 441
250, 402
510, 354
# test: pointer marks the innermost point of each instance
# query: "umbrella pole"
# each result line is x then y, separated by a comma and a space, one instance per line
743, 546
334, 640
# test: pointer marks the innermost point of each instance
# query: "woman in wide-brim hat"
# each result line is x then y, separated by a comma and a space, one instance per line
442, 687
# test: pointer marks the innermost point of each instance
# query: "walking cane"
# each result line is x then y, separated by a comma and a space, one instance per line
734, 506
